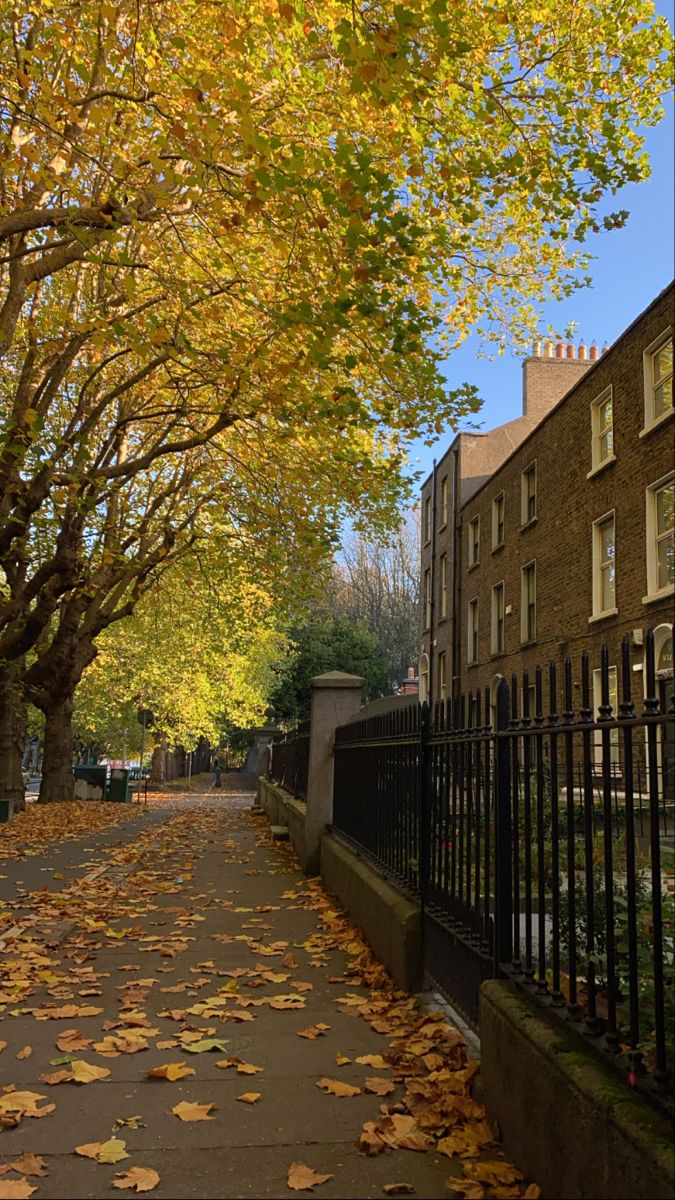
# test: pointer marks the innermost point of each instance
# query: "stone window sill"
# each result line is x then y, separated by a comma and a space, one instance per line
656, 423
662, 594
606, 462
602, 616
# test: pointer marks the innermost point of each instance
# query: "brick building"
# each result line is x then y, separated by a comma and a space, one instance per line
554, 533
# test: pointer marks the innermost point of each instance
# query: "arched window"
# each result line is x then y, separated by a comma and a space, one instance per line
494, 685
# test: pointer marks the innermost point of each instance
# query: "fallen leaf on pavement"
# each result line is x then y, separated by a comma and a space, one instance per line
112, 1151
28, 1164
15, 1105
303, 1178
139, 1179
16, 1189
190, 1111
313, 1031
533, 1192
67, 1010
80, 1072
71, 1039
134, 1122
467, 1189
492, 1173
25, 1052
285, 1002
372, 1060
171, 1071
335, 1087
206, 1044
342, 1059
378, 1086
249, 1097
88, 1149
398, 1189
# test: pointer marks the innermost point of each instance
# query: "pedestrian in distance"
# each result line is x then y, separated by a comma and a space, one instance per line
216, 767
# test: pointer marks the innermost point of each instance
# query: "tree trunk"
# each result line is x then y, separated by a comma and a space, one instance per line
159, 765
57, 762
12, 735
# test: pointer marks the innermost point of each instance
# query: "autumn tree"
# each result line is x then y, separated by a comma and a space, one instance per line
375, 582
266, 223
200, 649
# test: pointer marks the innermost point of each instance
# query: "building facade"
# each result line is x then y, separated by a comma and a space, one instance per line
554, 533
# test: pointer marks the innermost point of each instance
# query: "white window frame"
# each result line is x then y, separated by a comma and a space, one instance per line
442, 675
613, 733
599, 613
495, 646
598, 463
654, 592
474, 541
427, 520
499, 498
530, 473
423, 675
526, 637
444, 501
651, 420
427, 598
443, 573
473, 627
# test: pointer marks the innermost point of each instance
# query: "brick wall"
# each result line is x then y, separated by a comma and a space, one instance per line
568, 502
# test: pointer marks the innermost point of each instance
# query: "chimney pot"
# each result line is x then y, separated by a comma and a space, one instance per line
548, 350
593, 353
559, 350
536, 349
605, 347
571, 353
582, 353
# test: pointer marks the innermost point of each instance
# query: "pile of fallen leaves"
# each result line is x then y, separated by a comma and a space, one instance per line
33, 831
428, 1057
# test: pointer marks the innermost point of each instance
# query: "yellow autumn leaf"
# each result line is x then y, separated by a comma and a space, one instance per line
191, 1111
171, 1071
138, 1179
336, 1087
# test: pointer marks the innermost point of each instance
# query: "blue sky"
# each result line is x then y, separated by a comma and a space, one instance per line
631, 266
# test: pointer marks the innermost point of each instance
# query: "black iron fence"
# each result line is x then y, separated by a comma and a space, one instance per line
377, 787
289, 765
534, 821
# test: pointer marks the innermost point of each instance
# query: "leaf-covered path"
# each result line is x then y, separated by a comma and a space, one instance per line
185, 1013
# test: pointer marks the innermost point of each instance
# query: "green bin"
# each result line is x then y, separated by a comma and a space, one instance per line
120, 787
94, 776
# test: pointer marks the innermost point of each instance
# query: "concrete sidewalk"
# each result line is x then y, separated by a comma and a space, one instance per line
198, 927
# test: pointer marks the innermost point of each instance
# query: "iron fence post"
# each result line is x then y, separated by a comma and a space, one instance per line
503, 834
424, 805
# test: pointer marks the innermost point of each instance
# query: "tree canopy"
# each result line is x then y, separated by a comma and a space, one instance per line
236, 242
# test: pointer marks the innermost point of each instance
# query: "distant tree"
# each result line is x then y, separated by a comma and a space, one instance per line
376, 583
328, 643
